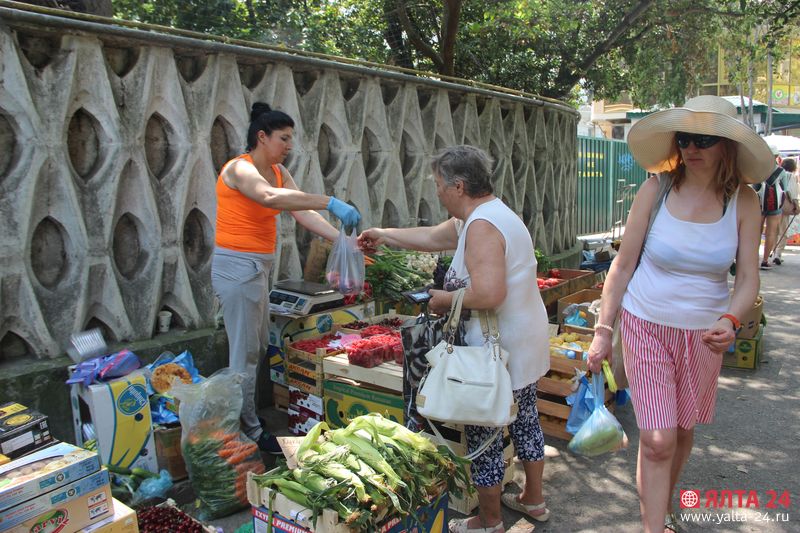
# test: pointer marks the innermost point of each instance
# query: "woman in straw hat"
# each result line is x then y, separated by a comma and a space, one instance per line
671, 294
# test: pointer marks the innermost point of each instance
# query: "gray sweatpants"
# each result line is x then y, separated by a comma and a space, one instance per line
241, 281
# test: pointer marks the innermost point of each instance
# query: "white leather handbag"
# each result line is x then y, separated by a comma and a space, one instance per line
468, 384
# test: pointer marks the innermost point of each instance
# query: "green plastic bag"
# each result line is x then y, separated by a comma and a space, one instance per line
601, 432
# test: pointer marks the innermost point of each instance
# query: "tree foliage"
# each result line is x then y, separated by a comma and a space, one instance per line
659, 50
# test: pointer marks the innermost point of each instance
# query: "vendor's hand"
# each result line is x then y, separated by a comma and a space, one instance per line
370, 239
440, 301
599, 350
345, 212
719, 337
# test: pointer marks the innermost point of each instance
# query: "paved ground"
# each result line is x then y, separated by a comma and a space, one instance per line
752, 445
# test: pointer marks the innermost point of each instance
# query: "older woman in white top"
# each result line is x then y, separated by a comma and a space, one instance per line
494, 260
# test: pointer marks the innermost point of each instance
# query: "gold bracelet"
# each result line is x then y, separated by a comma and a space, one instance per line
604, 326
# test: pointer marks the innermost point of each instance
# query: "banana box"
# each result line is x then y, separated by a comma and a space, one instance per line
119, 412
432, 518
304, 327
68, 508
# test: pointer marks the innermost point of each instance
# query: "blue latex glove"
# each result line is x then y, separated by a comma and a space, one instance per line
348, 214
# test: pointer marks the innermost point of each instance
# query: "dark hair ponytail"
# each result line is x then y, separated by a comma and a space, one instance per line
264, 118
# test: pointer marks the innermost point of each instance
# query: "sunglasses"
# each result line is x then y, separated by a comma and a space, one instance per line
700, 141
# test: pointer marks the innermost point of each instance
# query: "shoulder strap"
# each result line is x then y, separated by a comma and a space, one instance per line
774, 176
664, 185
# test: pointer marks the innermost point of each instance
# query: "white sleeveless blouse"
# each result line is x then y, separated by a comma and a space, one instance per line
522, 317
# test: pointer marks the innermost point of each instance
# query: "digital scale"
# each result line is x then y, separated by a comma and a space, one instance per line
304, 297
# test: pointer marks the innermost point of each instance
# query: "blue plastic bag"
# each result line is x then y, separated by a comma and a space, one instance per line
153, 487
162, 407
601, 432
582, 402
104, 368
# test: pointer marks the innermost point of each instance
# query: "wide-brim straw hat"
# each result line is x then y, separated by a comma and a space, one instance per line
651, 140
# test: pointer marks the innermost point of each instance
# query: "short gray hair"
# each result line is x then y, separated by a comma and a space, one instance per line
467, 163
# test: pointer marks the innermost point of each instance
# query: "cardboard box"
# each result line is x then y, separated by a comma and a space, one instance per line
301, 420
67, 508
433, 518
314, 325
583, 296
31, 476
22, 430
311, 402
345, 400
745, 353
120, 413
277, 374
123, 521
752, 320
168, 452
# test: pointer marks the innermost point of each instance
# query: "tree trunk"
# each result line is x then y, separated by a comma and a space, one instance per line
393, 35
452, 13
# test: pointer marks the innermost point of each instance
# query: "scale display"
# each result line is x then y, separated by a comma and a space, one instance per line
304, 297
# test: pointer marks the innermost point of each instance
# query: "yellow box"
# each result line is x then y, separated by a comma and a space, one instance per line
345, 400
746, 352
119, 410
123, 521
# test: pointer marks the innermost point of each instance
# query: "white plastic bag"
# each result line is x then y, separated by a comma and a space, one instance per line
345, 270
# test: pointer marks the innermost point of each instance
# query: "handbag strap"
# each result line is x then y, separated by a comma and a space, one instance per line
470, 456
455, 312
488, 318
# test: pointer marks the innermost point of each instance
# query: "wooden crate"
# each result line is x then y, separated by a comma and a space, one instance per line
572, 281
388, 375
304, 369
577, 297
280, 397
376, 319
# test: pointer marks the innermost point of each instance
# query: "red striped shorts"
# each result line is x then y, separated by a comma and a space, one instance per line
672, 375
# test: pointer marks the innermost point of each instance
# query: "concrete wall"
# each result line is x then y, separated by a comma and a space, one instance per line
110, 142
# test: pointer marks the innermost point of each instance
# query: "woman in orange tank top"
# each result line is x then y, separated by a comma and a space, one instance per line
252, 189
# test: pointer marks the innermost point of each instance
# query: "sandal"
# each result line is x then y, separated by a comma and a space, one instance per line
671, 522
459, 525
537, 512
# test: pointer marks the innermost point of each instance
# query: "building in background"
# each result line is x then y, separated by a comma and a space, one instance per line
615, 118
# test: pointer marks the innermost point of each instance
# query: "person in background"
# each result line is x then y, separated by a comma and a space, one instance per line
769, 194
495, 262
252, 190
676, 312
792, 194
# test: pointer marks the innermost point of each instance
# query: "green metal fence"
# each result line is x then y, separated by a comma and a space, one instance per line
608, 179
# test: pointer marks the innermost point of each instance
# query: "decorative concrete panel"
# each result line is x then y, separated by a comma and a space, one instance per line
111, 140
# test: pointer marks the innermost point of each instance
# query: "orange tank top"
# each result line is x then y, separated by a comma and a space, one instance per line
243, 224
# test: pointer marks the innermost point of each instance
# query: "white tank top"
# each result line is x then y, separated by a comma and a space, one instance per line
682, 280
521, 317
